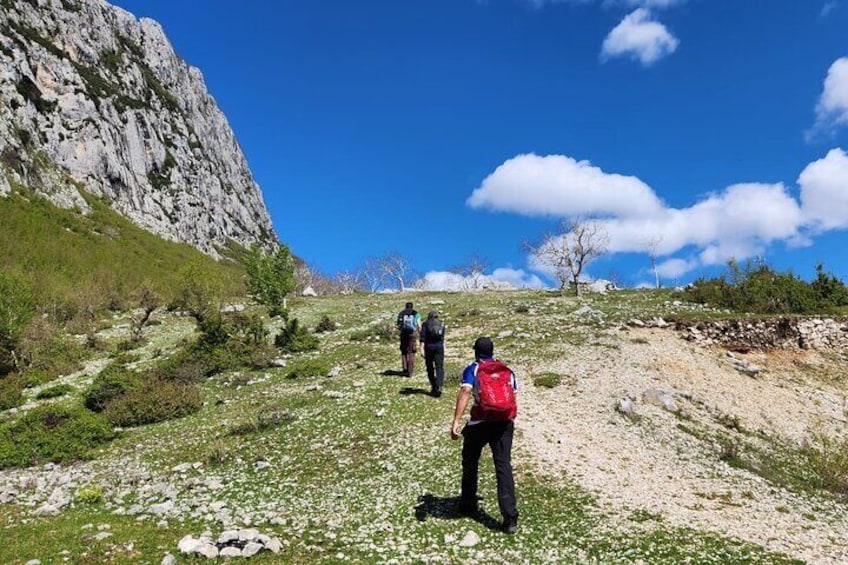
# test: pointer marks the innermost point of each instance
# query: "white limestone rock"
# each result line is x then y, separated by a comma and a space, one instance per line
138, 128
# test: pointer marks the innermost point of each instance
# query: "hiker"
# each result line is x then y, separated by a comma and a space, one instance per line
433, 346
493, 386
409, 323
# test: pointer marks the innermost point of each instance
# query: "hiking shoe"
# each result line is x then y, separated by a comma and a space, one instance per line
510, 525
437, 393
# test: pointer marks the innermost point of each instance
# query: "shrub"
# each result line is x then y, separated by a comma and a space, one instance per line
112, 383
309, 368
89, 495
154, 400
547, 380
270, 277
381, 332
52, 433
54, 392
325, 325
760, 289
294, 338
11, 387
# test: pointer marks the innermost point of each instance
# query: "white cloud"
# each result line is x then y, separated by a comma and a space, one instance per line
832, 108
559, 185
741, 221
824, 191
639, 37
503, 278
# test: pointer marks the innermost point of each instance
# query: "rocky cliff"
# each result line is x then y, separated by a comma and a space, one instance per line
93, 98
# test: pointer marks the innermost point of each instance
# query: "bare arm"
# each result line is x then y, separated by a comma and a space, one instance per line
461, 403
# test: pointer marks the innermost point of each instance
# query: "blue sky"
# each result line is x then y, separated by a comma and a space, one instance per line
369, 125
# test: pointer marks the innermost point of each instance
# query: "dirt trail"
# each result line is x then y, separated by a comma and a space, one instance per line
653, 465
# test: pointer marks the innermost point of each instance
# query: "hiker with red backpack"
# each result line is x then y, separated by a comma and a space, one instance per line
493, 387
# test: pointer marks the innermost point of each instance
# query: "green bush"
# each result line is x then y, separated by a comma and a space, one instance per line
827, 458
309, 368
89, 495
294, 338
52, 433
270, 277
11, 391
758, 288
152, 401
325, 325
54, 392
547, 380
112, 383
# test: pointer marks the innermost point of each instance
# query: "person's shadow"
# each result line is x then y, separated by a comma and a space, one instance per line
393, 373
410, 390
447, 508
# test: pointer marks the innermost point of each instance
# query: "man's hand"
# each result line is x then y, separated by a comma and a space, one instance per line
455, 431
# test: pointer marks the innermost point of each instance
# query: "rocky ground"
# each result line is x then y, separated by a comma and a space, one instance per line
625, 461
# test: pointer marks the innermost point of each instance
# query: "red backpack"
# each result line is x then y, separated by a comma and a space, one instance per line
496, 396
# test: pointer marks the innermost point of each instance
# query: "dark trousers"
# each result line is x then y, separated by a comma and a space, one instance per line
498, 435
435, 360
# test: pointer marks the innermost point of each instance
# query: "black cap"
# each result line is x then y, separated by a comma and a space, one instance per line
409, 305
484, 347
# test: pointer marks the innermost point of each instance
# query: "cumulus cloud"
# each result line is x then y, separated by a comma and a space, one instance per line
559, 185
503, 277
824, 191
741, 221
640, 37
832, 108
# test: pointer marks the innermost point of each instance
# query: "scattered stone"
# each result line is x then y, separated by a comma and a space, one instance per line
309, 291
261, 465
33, 562
274, 545
745, 366
636, 323
230, 551
437, 302
162, 524
278, 363
162, 508
660, 398
207, 550
169, 560
102, 536
335, 372
189, 545
380, 413
334, 394
625, 406
470, 540
248, 535
251, 549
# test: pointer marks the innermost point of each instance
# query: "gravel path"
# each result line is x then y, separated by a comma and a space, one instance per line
651, 464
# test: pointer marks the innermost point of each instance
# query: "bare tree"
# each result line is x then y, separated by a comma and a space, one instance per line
148, 301
348, 282
373, 274
396, 267
567, 251
473, 271
652, 246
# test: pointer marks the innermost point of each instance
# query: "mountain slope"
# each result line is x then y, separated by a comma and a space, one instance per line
92, 96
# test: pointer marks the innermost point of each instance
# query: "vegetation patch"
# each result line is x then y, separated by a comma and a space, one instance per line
54, 391
294, 338
309, 368
758, 288
52, 433
547, 380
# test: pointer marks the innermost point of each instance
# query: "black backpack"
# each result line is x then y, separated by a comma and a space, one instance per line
435, 331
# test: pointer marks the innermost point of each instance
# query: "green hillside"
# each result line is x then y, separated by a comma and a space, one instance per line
90, 260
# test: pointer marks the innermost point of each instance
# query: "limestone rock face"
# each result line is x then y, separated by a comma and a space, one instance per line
94, 99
